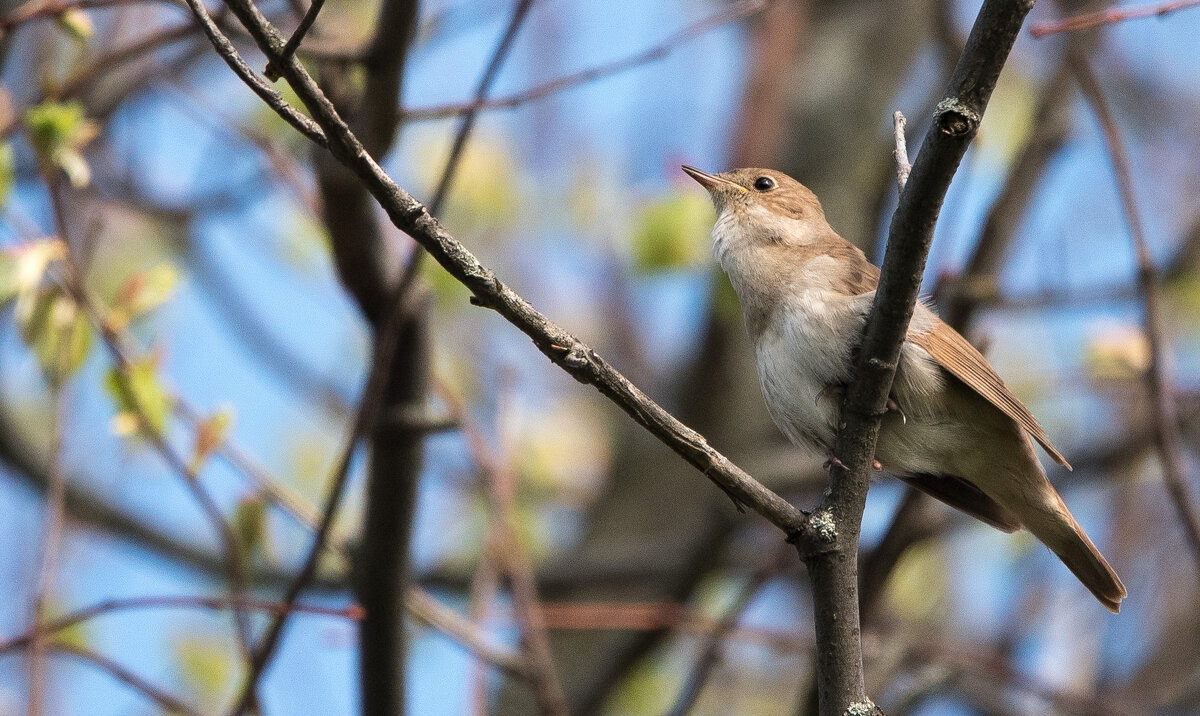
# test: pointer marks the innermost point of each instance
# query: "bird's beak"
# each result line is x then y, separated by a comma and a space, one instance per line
711, 182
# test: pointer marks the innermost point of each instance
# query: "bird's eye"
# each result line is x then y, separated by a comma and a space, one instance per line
764, 183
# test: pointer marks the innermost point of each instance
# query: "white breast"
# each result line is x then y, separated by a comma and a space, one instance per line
806, 351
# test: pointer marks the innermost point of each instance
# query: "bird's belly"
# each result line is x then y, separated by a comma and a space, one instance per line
796, 372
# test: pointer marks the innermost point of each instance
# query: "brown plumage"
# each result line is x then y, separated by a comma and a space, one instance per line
960, 435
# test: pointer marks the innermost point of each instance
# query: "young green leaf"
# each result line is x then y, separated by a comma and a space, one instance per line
672, 233
59, 131
139, 393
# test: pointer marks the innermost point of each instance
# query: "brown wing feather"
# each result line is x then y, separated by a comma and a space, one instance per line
960, 358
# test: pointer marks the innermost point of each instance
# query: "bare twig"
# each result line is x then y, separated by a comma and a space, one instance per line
111, 606
501, 491
562, 348
1110, 16
166, 701
51, 542
36, 10
306, 22
520, 12
903, 167
710, 650
73, 282
423, 606
261, 87
831, 551
459, 145
736, 11
1157, 377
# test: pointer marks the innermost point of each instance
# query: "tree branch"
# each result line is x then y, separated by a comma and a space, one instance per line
735, 12
831, 551
1157, 379
166, 701
1108, 17
563, 349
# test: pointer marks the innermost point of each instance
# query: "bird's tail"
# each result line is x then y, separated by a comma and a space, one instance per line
1058, 530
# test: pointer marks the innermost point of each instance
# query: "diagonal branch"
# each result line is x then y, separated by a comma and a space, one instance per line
563, 349
1158, 388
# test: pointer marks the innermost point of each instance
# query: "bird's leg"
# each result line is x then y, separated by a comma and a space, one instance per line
831, 460
830, 390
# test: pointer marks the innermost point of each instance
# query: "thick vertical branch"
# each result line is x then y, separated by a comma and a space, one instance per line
382, 565
1157, 377
831, 554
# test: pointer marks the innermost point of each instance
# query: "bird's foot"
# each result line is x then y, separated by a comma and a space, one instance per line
893, 406
831, 460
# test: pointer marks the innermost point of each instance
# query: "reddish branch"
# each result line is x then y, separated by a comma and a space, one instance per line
1108, 17
1157, 379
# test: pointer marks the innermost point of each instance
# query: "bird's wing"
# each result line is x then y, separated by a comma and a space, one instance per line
956, 355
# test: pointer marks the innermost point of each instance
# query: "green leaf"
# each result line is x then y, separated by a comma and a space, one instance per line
206, 665
139, 393
24, 268
210, 435
8, 170
143, 292
672, 233
250, 525
59, 334
76, 23
9, 271
59, 131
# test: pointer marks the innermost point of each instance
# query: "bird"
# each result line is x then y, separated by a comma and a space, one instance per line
952, 430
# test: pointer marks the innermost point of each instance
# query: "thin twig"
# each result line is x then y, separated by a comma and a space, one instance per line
73, 283
425, 607
710, 650
37, 10
735, 12
306, 22
1110, 16
52, 535
110, 606
261, 87
170, 704
459, 145
1157, 376
500, 488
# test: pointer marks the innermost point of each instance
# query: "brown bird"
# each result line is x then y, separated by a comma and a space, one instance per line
953, 429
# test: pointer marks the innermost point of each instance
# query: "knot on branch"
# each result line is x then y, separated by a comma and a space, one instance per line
955, 118
823, 526
574, 356
863, 708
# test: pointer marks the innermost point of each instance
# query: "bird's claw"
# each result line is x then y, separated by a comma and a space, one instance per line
893, 406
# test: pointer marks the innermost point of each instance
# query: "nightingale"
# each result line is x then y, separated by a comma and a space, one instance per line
953, 429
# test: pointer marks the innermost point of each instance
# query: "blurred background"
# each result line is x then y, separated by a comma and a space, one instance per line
240, 279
